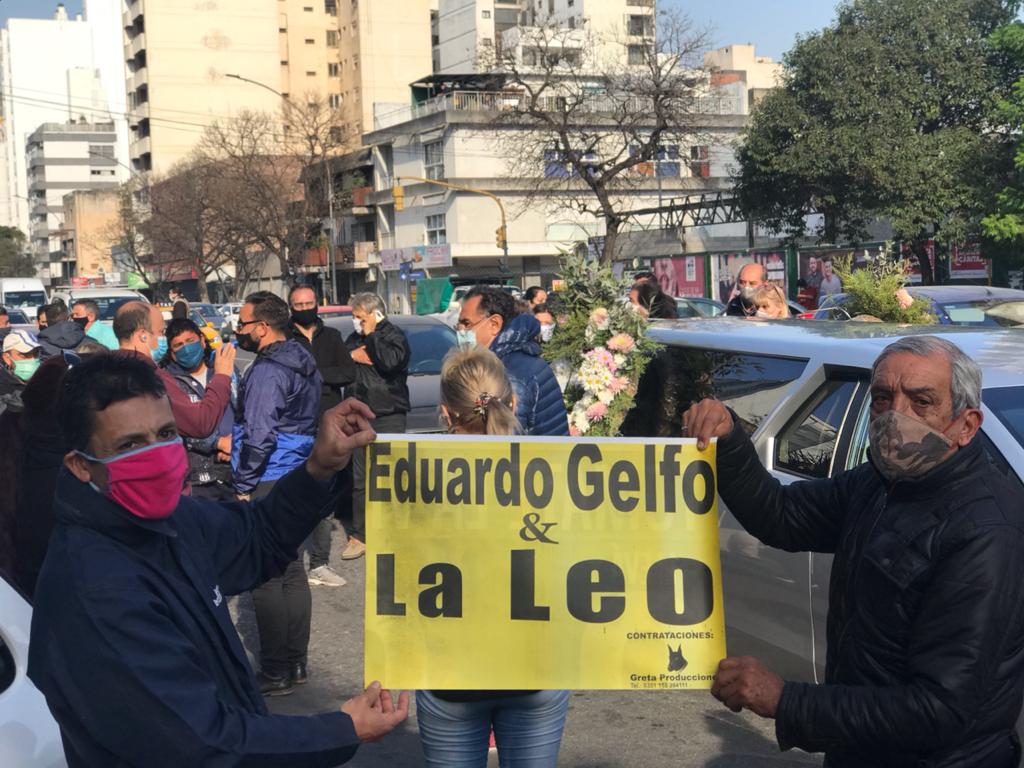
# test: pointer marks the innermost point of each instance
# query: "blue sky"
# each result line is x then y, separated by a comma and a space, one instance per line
772, 25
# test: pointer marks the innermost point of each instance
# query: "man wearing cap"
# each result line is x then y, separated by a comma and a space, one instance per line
20, 361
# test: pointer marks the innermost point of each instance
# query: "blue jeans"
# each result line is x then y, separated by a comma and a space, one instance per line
527, 729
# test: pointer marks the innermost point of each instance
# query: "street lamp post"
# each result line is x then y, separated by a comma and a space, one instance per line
328, 184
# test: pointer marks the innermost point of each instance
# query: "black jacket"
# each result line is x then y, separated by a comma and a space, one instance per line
132, 644
382, 385
58, 338
9, 383
737, 308
925, 663
333, 360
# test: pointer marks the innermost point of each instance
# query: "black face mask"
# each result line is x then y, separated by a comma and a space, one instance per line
247, 342
304, 317
81, 322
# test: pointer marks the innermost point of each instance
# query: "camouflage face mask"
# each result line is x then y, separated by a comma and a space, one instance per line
904, 448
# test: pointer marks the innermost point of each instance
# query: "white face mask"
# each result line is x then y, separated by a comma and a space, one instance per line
747, 292
763, 313
547, 330
466, 338
357, 324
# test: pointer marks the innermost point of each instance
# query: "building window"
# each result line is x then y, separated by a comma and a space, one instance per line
332, 38
310, 73
436, 233
639, 25
355, 61
310, 41
334, 100
485, 14
635, 54
308, 8
333, 69
331, 7
336, 134
700, 161
101, 150
433, 160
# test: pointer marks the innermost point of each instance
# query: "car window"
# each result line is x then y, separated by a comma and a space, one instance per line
428, 345
808, 442
110, 304
752, 385
1007, 403
24, 298
17, 317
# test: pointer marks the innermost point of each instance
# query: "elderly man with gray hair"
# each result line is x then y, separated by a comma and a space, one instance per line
381, 352
925, 661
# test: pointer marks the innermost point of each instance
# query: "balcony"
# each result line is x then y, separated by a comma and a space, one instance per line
137, 78
134, 11
137, 114
142, 146
136, 45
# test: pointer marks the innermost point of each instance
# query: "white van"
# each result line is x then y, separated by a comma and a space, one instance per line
107, 299
24, 293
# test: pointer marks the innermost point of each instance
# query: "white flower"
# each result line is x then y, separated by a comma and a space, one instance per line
620, 360
606, 396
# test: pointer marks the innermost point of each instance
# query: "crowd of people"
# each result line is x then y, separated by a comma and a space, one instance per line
143, 486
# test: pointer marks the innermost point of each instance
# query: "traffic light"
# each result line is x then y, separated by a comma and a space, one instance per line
398, 193
500, 237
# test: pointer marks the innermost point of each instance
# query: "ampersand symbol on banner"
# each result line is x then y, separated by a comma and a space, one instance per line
534, 530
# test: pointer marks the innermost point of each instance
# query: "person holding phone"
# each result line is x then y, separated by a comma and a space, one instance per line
381, 352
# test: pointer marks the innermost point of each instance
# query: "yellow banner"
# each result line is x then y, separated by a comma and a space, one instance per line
540, 563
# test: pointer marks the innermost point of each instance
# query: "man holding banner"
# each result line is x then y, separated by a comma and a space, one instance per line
926, 607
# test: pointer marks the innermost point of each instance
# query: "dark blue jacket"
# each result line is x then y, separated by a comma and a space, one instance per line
280, 406
132, 644
539, 404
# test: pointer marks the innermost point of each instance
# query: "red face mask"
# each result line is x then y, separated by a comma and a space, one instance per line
148, 482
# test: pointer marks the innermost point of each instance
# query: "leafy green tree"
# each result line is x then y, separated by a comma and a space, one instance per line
884, 114
1005, 224
14, 261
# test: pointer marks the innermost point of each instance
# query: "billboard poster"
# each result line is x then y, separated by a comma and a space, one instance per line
967, 263
816, 277
417, 257
680, 275
726, 270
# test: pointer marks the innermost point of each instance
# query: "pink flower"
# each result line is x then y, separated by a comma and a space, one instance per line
904, 298
597, 411
574, 432
621, 342
618, 384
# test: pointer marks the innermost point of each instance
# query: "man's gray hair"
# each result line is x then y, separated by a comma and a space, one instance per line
764, 269
965, 373
368, 303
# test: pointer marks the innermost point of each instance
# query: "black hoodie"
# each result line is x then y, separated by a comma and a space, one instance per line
60, 337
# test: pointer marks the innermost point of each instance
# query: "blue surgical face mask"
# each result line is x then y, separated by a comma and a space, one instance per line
466, 338
190, 355
161, 348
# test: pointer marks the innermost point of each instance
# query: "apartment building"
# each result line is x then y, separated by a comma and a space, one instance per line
384, 45
46, 76
739, 70
63, 158
611, 31
452, 137
89, 234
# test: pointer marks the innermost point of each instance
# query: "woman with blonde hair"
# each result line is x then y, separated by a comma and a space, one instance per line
770, 302
477, 399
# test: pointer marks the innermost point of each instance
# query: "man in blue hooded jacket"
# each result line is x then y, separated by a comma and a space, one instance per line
488, 318
132, 643
279, 406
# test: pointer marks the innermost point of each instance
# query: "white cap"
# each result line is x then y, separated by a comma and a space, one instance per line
20, 340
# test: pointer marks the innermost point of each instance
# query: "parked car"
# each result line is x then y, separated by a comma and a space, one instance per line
30, 736
801, 390
107, 299
951, 304
696, 306
213, 338
429, 341
17, 317
334, 310
208, 312
25, 293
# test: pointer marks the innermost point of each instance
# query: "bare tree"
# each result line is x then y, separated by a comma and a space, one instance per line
129, 233
279, 166
594, 114
185, 227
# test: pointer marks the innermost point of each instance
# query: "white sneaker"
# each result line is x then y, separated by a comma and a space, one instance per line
325, 576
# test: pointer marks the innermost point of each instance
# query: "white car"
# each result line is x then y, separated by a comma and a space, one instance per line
29, 736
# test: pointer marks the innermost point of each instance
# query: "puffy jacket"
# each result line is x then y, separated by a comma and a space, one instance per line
382, 386
333, 360
280, 406
539, 405
132, 643
59, 338
925, 663
204, 469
